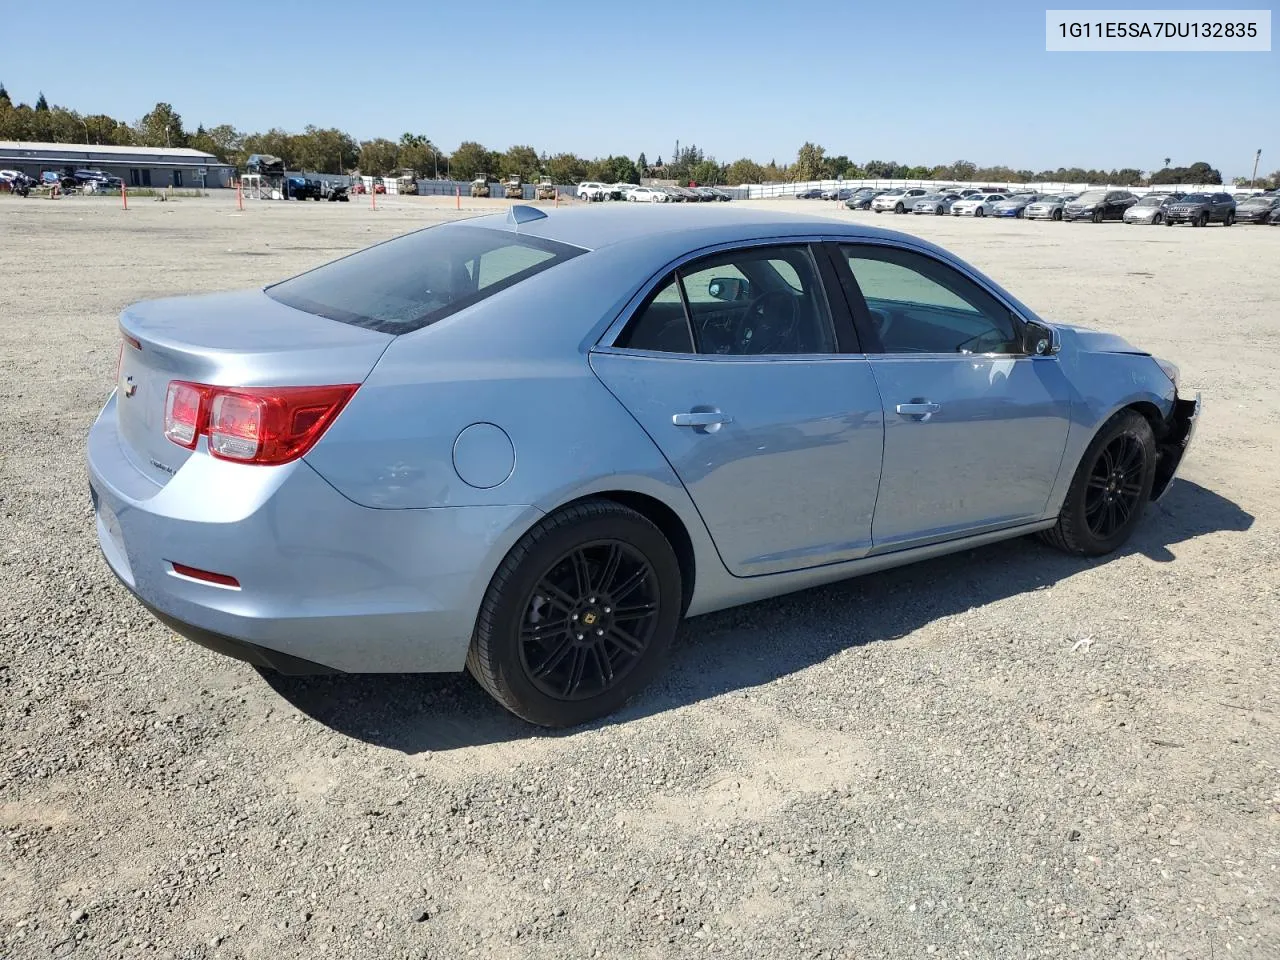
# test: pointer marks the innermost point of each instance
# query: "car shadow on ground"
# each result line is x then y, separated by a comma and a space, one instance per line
753, 644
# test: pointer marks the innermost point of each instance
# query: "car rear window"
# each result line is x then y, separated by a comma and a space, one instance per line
405, 284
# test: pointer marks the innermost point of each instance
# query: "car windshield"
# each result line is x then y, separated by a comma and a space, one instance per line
1195, 198
407, 283
1153, 200
930, 198
1259, 200
1092, 196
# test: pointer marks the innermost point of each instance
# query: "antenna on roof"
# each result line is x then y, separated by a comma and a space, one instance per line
522, 213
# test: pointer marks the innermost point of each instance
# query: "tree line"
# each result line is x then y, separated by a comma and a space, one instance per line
330, 150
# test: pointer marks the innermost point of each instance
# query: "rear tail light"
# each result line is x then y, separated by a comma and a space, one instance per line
261, 425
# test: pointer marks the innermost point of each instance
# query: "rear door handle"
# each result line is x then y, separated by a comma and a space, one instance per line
703, 418
921, 411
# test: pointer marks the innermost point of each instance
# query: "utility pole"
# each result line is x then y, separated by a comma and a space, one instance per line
1256, 157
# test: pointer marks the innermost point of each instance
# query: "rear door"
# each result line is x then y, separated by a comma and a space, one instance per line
747, 379
974, 428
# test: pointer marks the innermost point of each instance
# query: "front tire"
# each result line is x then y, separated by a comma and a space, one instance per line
1057, 214
579, 617
1110, 489
899, 209
979, 212
1097, 216
1231, 218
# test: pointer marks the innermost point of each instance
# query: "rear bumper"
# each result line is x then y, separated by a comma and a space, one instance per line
324, 583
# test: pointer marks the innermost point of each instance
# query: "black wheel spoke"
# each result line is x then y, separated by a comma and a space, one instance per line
544, 629
633, 612
610, 569
630, 584
555, 658
625, 640
555, 596
602, 660
581, 572
599, 605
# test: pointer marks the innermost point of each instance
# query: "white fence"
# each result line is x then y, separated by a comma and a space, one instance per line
756, 191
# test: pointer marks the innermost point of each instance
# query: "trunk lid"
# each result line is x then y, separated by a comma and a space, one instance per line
240, 339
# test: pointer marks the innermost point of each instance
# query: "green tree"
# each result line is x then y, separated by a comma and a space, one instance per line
642, 165
469, 161
707, 173
162, 127
6, 102
964, 170
811, 163
276, 142
379, 157
419, 154
520, 161
567, 168
41, 103
744, 171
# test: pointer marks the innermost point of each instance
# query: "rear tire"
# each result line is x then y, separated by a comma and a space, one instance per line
1231, 218
577, 569
1110, 489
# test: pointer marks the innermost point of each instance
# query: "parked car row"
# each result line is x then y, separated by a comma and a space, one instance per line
592, 191
1197, 209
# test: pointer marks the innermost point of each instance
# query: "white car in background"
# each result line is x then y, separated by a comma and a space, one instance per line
979, 205
899, 201
647, 195
590, 190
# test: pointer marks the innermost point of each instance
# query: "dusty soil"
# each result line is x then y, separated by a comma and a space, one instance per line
1007, 753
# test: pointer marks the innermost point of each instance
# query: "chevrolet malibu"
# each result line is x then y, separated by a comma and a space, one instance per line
528, 446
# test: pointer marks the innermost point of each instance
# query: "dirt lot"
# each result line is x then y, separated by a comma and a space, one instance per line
1007, 753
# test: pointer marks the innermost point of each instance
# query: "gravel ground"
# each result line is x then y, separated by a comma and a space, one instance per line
1003, 754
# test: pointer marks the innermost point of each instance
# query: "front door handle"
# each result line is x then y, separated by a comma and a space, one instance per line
701, 419
920, 411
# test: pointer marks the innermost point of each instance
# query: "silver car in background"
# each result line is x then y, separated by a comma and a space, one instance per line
529, 445
1048, 208
938, 204
1151, 208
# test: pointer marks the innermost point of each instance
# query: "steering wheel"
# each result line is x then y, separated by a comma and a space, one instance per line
758, 331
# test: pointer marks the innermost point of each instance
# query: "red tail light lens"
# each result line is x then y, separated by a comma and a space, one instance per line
182, 413
262, 425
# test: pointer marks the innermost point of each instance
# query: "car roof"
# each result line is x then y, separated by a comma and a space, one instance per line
679, 227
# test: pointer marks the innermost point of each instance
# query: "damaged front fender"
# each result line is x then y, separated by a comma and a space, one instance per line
1171, 448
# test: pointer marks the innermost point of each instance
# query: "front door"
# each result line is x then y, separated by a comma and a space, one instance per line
732, 367
974, 428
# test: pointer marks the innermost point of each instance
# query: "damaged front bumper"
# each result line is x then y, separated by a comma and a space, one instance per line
1173, 446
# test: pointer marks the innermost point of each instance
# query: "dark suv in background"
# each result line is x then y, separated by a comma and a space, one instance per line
1202, 209
1099, 205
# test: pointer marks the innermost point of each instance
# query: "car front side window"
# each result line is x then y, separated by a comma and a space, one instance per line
917, 304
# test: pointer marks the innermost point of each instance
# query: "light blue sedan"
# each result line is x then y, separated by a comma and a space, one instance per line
529, 445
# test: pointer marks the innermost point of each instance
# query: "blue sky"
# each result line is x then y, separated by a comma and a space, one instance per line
925, 82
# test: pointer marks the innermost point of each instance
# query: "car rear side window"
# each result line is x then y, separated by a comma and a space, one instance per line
405, 284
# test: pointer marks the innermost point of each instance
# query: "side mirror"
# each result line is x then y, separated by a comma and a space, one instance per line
1040, 340
727, 288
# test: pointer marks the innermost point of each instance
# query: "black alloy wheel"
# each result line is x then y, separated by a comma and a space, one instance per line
579, 616
589, 620
1110, 488
1115, 486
